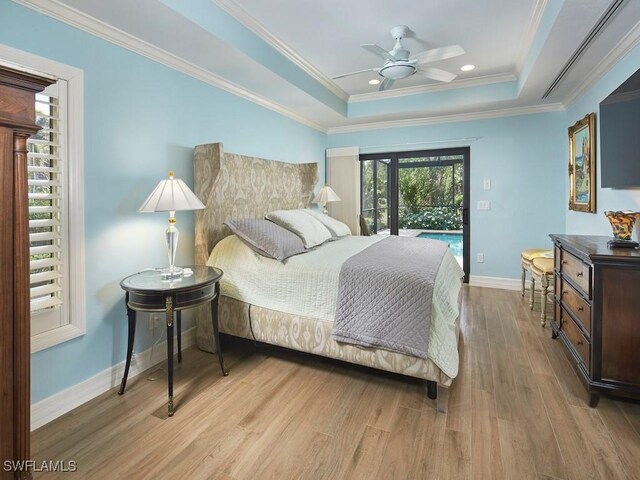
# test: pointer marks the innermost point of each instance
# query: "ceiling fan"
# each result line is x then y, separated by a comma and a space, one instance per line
398, 64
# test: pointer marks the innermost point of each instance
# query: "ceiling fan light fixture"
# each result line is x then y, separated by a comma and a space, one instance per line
467, 68
374, 81
397, 71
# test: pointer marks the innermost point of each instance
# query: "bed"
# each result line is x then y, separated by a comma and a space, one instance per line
254, 306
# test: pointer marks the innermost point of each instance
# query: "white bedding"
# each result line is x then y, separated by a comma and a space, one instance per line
307, 285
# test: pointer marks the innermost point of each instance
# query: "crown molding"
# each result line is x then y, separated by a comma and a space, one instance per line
530, 33
628, 42
251, 23
418, 89
458, 117
89, 24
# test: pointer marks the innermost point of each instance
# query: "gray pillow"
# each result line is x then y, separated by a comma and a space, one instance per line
267, 238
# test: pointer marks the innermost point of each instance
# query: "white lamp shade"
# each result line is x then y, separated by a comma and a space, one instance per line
171, 195
326, 194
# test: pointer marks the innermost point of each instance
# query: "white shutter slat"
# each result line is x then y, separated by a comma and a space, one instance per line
43, 169
46, 222
44, 249
40, 141
44, 302
42, 155
44, 115
44, 196
42, 183
45, 102
44, 209
44, 263
48, 289
44, 237
44, 276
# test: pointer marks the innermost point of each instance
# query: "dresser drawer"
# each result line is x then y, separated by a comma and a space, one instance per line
578, 341
577, 271
577, 305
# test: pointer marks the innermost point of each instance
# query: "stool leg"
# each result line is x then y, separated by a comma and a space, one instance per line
524, 278
532, 292
545, 291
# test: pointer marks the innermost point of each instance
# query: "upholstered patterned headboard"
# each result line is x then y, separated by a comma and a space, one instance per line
237, 186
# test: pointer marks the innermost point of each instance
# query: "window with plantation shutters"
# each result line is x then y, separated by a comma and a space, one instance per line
55, 171
47, 212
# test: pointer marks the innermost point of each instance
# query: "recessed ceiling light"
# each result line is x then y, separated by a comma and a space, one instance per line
375, 81
467, 68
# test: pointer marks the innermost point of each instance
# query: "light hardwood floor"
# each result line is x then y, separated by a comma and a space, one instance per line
516, 411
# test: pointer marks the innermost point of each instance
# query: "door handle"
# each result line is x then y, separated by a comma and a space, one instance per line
465, 215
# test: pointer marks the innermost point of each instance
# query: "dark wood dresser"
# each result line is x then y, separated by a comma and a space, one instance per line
597, 312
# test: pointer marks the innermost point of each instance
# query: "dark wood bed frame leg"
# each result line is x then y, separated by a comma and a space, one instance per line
432, 389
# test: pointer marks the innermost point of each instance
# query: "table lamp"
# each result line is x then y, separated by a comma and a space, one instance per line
326, 194
171, 195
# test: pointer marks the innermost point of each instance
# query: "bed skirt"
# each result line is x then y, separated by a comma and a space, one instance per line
308, 335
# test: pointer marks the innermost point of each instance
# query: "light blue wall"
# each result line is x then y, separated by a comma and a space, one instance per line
606, 198
523, 157
141, 120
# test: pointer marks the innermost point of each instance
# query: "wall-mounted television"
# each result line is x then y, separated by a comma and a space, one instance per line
620, 135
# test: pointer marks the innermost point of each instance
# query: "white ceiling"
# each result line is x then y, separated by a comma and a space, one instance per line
328, 33
282, 53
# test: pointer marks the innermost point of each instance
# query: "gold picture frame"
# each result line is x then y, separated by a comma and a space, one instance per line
582, 165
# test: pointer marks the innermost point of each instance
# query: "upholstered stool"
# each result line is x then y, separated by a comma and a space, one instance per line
526, 257
542, 271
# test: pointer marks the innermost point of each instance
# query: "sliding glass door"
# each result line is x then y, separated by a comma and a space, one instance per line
421, 194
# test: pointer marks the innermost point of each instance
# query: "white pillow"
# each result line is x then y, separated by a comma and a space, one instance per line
310, 230
336, 227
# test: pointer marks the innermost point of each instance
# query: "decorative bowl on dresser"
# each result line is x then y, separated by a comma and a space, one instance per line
597, 312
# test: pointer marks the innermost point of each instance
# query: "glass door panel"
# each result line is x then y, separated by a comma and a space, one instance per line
375, 194
429, 197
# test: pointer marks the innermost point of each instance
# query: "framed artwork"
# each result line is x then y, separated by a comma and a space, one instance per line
582, 165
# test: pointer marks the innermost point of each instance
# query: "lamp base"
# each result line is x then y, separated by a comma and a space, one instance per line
171, 273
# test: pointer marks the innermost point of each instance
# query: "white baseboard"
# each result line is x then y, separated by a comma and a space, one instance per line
495, 282
62, 402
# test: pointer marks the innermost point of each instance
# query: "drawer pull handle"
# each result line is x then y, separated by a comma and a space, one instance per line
579, 274
565, 292
579, 342
564, 262
581, 309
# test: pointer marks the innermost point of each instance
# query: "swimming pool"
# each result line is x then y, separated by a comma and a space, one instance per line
453, 239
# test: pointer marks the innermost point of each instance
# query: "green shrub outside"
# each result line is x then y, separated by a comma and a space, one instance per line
433, 218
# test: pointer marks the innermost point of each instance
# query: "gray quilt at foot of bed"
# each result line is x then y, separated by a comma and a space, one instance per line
385, 295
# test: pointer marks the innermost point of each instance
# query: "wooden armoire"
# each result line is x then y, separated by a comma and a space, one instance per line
17, 123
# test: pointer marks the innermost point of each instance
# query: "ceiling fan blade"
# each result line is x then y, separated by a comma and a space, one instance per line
378, 51
386, 84
354, 73
437, 74
436, 54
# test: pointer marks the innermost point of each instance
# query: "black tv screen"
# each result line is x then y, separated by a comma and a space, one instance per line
620, 135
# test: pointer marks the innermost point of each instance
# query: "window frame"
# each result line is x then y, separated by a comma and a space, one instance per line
74, 178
